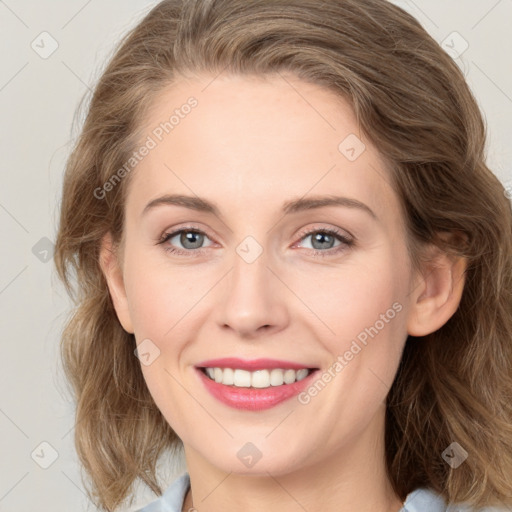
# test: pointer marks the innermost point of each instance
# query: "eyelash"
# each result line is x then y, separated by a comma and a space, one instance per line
345, 245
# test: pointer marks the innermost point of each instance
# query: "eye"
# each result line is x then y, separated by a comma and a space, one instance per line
323, 240
191, 239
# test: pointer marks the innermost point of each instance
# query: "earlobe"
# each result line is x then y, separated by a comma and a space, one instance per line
111, 268
438, 294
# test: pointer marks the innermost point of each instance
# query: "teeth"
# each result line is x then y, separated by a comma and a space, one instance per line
257, 379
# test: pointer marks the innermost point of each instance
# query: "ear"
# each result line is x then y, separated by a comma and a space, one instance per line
111, 266
437, 294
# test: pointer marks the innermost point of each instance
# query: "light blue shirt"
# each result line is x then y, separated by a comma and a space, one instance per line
420, 500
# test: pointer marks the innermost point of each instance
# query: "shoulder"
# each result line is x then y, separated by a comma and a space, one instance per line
173, 497
427, 500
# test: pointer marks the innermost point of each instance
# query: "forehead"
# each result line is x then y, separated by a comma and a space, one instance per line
254, 142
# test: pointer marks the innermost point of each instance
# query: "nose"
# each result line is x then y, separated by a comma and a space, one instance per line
252, 302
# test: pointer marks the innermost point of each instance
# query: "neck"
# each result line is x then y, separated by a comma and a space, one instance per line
353, 477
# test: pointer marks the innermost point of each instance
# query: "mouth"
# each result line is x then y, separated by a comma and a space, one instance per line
254, 385
259, 379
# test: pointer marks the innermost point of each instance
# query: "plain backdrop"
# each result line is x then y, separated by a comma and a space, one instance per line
52, 53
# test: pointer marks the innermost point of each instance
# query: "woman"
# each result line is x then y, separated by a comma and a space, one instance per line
337, 335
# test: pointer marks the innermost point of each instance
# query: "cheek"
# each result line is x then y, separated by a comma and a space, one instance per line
372, 319
352, 298
365, 311
159, 294
148, 304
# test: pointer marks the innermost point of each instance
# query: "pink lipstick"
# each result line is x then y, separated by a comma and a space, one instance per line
254, 384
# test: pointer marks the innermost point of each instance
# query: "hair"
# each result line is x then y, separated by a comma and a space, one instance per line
412, 102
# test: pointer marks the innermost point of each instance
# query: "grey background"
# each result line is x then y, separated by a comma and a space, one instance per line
38, 98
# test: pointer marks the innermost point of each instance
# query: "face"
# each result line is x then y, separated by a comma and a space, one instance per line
258, 269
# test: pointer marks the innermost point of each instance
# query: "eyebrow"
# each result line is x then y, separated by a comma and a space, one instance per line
293, 206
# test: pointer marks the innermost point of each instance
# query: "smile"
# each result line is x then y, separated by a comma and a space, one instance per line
258, 379
253, 385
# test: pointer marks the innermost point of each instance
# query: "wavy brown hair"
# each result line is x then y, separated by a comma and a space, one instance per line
412, 102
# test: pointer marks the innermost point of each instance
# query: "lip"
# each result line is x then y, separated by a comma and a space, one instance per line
253, 399
252, 365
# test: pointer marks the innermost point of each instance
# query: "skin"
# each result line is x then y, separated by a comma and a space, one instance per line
251, 144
